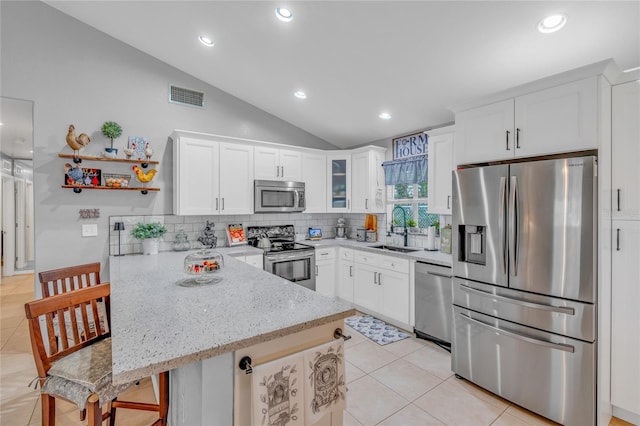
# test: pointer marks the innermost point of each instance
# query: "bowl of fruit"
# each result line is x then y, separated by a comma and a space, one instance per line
116, 181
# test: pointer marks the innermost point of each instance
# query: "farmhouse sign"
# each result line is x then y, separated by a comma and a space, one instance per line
409, 146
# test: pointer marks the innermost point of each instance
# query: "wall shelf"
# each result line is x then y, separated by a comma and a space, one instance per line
113, 160
77, 188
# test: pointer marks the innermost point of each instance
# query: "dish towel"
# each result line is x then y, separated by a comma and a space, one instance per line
325, 388
277, 392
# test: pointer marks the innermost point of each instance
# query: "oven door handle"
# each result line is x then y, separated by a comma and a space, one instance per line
559, 309
278, 257
546, 344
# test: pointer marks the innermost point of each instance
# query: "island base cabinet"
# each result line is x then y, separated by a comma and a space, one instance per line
270, 351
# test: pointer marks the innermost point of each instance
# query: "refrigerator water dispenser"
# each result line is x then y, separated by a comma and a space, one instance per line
473, 239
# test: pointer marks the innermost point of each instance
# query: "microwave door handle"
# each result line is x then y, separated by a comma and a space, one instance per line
296, 200
550, 345
513, 226
502, 219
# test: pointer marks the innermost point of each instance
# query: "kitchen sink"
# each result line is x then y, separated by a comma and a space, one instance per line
396, 249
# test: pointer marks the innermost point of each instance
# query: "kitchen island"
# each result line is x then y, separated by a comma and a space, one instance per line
157, 326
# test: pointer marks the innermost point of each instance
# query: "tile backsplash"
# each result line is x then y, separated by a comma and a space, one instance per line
193, 226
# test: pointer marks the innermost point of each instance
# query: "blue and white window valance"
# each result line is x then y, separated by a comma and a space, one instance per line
407, 171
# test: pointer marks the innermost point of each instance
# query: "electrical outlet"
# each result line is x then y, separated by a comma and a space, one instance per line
90, 230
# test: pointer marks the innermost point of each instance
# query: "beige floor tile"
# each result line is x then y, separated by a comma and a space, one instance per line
411, 415
17, 409
353, 372
368, 356
479, 392
436, 362
370, 402
406, 379
355, 336
403, 347
527, 416
507, 419
453, 407
348, 420
19, 342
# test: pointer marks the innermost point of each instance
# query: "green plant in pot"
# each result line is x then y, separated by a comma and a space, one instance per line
149, 233
111, 130
412, 224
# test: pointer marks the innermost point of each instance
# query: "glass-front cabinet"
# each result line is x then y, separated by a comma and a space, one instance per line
339, 183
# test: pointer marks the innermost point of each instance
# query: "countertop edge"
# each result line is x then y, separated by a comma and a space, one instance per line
157, 368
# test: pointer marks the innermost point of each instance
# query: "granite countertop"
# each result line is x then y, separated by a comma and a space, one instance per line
157, 325
421, 255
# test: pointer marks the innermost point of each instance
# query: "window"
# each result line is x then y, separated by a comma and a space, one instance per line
412, 198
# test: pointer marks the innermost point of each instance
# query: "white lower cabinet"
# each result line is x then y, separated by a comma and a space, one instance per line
325, 271
381, 285
625, 317
346, 275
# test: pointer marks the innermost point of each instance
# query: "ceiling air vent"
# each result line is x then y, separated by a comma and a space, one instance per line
180, 95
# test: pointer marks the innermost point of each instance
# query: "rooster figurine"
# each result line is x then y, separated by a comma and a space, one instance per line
77, 142
142, 176
148, 151
74, 174
129, 151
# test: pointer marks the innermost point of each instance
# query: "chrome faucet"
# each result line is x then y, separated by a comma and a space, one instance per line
404, 216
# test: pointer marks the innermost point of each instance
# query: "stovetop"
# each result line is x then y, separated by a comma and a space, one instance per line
282, 238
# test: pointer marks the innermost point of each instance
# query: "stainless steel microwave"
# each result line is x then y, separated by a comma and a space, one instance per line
274, 196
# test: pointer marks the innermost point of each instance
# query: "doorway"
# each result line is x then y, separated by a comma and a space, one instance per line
16, 167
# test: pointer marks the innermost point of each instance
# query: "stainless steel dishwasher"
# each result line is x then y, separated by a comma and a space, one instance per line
433, 303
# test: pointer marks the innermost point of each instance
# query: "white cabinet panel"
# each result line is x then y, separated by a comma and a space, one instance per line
212, 177
256, 260
326, 271
366, 291
559, 119
440, 167
395, 295
236, 178
314, 176
346, 274
338, 183
625, 320
625, 135
277, 164
367, 182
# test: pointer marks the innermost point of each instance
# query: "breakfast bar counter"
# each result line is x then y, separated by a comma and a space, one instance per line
157, 325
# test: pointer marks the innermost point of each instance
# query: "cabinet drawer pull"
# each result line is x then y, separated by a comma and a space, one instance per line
518, 138
618, 239
350, 270
217, 203
379, 278
507, 138
618, 191
366, 204
375, 278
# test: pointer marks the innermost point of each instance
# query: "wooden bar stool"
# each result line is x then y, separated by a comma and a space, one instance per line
62, 280
79, 370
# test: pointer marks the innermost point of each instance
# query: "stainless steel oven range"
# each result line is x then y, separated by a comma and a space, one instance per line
283, 256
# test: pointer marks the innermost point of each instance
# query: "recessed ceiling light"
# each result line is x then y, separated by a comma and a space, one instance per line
384, 115
300, 94
552, 23
284, 14
206, 41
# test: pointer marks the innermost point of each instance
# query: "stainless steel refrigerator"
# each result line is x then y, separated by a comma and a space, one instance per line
524, 286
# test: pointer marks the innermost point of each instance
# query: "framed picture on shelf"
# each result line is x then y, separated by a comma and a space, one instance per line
82, 176
137, 145
236, 234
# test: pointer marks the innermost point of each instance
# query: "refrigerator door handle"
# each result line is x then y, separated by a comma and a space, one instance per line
541, 306
513, 226
501, 222
550, 345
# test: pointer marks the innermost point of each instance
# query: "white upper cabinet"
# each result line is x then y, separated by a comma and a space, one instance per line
211, 177
314, 176
441, 164
277, 164
338, 183
554, 120
625, 139
367, 181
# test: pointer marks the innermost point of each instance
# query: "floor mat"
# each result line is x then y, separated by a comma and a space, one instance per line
375, 329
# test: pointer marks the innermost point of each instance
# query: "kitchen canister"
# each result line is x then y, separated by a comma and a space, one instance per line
431, 238
361, 234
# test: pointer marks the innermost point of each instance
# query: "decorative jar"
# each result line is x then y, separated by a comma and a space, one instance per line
203, 263
181, 242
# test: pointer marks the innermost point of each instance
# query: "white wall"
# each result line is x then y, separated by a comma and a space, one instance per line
78, 75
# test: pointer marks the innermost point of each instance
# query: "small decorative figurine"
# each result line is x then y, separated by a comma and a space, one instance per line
76, 143
142, 176
208, 237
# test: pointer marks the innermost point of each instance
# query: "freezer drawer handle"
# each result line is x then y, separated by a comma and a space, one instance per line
559, 309
550, 345
438, 275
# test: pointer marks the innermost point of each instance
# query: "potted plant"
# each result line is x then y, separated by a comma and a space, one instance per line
149, 233
412, 225
111, 130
